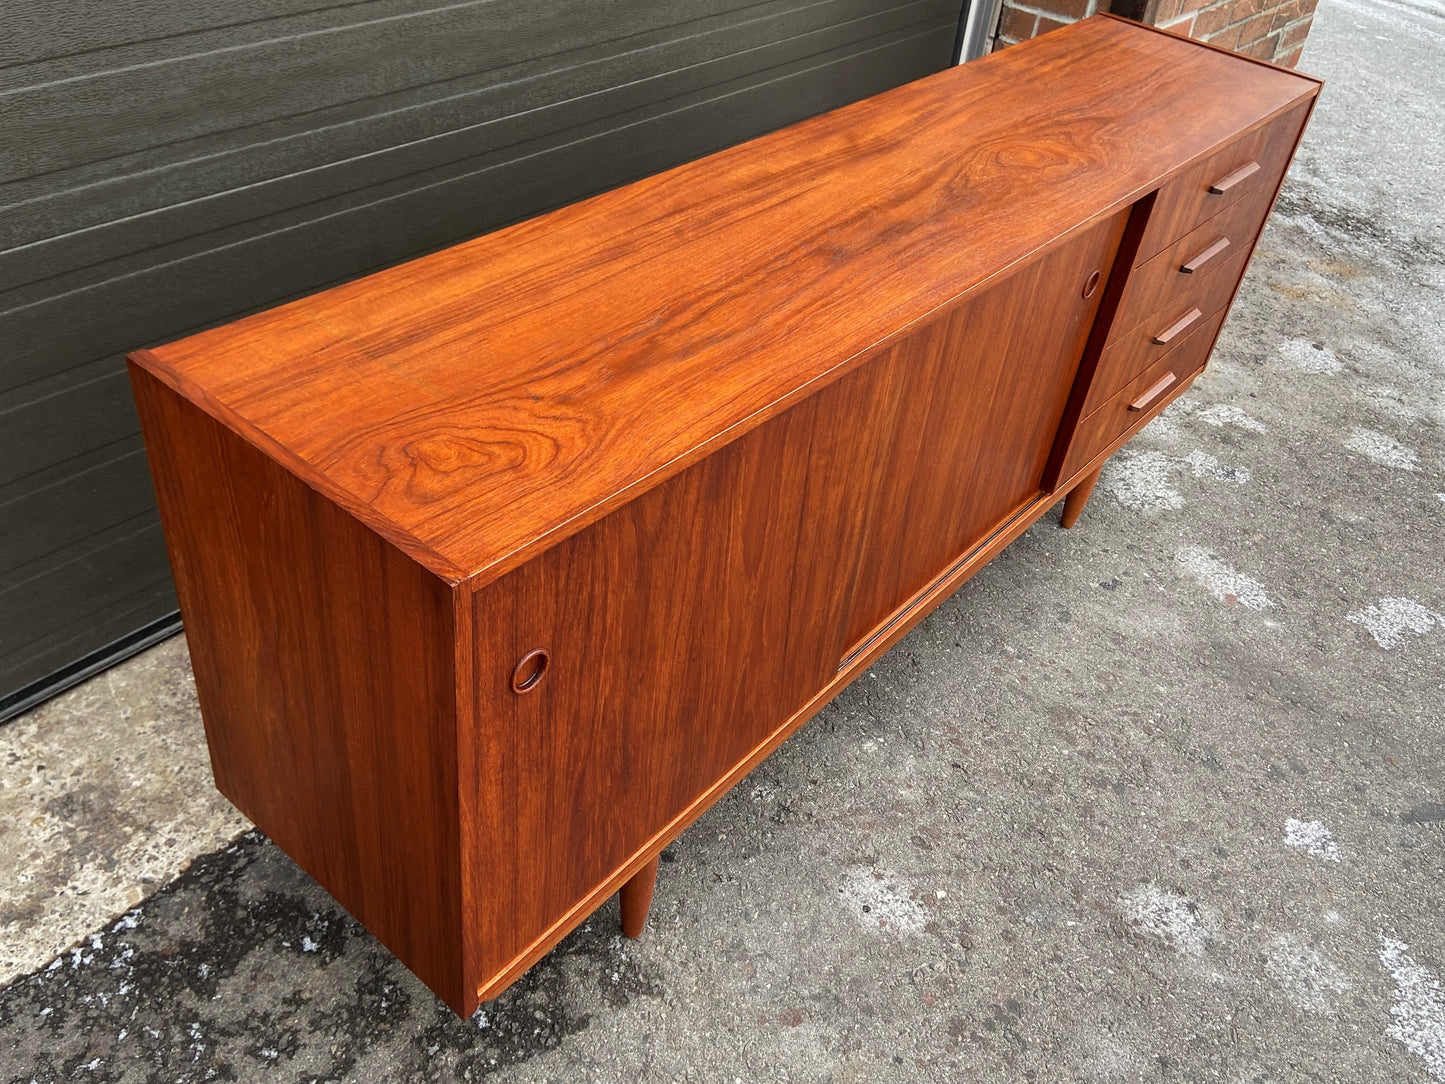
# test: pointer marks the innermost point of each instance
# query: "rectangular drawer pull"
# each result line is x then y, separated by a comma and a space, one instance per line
1175, 328
1159, 387
1204, 257
1224, 184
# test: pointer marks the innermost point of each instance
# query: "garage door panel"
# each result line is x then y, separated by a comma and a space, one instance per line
265, 262
107, 572
87, 214
84, 635
37, 31
168, 168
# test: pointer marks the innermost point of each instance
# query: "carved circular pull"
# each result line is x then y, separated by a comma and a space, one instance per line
528, 674
1091, 285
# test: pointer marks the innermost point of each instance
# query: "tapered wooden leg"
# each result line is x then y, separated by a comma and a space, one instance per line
637, 898
1078, 497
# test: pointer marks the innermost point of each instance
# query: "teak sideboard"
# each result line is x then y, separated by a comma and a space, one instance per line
500, 566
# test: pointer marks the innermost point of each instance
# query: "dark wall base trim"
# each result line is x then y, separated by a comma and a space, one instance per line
27, 696
1141, 11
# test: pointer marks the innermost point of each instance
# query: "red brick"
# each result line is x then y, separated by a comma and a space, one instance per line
1046, 24
1263, 49
1194, 5
1285, 14
1255, 29
1289, 60
1016, 24
1213, 20
1294, 35
1067, 10
1167, 10
1227, 38
1182, 25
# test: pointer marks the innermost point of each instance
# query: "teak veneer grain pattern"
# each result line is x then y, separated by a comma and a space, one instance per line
500, 566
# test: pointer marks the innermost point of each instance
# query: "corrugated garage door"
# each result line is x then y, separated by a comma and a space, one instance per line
166, 166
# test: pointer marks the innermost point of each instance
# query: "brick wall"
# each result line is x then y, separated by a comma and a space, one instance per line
1268, 29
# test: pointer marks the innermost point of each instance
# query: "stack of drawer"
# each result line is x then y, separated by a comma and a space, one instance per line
1195, 236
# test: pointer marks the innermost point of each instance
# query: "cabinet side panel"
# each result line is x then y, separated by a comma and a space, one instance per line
323, 660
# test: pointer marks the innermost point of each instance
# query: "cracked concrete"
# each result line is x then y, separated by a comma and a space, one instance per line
1111, 813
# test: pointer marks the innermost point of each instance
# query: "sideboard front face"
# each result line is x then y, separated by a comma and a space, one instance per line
685, 629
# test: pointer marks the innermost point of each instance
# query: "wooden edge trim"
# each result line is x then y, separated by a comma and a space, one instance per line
922, 605
348, 502
1210, 45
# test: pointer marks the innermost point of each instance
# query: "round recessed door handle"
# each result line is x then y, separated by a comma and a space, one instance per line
530, 670
1091, 285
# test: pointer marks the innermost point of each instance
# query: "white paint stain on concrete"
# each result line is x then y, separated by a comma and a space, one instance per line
1165, 426
1313, 838
1310, 357
1222, 414
1419, 1009
882, 900
1160, 914
1393, 400
1308, 978
1141, 481
1205, 465
1220, 580
1391, 619
1382, 449
1163, 429
1442, 497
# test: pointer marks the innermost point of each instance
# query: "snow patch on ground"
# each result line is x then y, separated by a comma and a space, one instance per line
1205, 465
1392, 618
1141, 481
1382, 449
1313, 838
1307, 978
1419, 1008
1220, 580
1163, 428
1222, 414
1163, 915
882, 900
1309, 357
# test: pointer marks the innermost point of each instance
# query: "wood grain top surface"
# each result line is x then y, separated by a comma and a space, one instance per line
475, 405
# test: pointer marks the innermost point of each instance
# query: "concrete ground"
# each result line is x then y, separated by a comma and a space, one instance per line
1159, 798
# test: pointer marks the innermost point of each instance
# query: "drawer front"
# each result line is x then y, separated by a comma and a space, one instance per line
1193, 264
1250, 164
1143, 397
1132, 352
